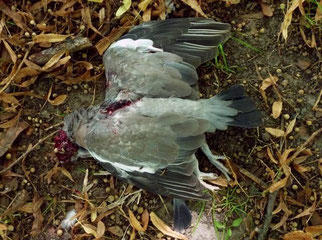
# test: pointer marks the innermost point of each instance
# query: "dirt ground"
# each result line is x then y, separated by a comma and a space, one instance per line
37, 187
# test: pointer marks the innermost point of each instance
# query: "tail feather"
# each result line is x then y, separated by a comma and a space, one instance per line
232, 108
182, 216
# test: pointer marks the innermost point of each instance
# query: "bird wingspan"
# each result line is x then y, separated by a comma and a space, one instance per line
159, 58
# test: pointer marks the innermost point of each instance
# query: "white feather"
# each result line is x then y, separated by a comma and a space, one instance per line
141, 45
70, 219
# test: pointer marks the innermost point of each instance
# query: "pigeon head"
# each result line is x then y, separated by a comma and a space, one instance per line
65, 149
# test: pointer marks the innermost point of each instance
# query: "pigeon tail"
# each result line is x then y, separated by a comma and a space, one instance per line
231, 108
182, 216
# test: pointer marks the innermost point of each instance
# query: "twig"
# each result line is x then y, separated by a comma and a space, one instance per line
54, 126
27, 152
303, 146
268, 217
257, 180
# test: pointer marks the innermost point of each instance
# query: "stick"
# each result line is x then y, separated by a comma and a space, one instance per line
27, 152
268, 217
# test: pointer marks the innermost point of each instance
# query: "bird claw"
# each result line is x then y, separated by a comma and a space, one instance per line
214, 160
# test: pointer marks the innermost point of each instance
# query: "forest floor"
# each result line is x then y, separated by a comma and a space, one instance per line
276, 169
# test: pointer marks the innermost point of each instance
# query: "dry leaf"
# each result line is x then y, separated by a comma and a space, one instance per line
219, 181
27, 208
126, 6
266, 9
314, 230
195, 6
298, 235
270, 81
56, 170
38, 217
100, 229
165, 229
58, 100
290, 127
50, 37
277, 109
135, 223
10, 135
146, 17
8, 98
318, 14
3, 227
270, 155
275, 132
87, 19
307, 211
281, 183
53, 60
145, 219
288, 17
12, 54
90, 229
144, 4
116, 230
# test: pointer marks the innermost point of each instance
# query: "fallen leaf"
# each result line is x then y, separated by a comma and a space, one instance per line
86, 15
116, 230
298, 235
56, 170
290, 127
144, 4
38, 217
165, 229
195, 6
10, 135
146, 17
281, 207
12, 54
145, 219
8, 98
277, 109
17, 18
135, 223
219, 181
275, 132
126, 6
58, 100
3, 227
50, 37
100, 229
314, 230
27, 208
90, 229
307, 211
318, 14
270, 155
288, 17
53, 60
266, 9
281, 183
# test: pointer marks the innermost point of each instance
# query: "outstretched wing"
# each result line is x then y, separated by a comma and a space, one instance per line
156, 154
159, 58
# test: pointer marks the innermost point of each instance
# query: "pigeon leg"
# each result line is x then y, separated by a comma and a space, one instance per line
204, 176
214, 160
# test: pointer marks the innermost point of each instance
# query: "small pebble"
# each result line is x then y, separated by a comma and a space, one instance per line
312, 198
309, 122
286, 116
295, 187
256, 222
8, 156
32, 22
294, 224
296, 129
27, 34
111, 198
140, 210
10, 228
105, 180
301, 92
291, 137
108, 189
60, 232
95, 181
262, 30
299, 100
82, 27
278, 70
32, 170
135, 207
75, 87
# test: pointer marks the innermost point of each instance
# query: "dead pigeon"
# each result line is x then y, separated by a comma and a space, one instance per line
151, 123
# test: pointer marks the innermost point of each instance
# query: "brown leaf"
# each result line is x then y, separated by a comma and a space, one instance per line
10, 51
145, 219
10, 135
86, 15
56, 170
220, 181
281, 183
314, 230
266, 9
277, 109
105, 42
3, 227
53, 60
58, 100
307, 211
144, 4
275, 132
17, 18
281, 207
318, 14
146, 17
135, 223
8, 98
100, 229
116, 230
26, 72
298, 235
290, 127
195, 6
270, 81
165, 229
270, 155
27, 208
288, 18
89, 229
50, 37
38, 217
